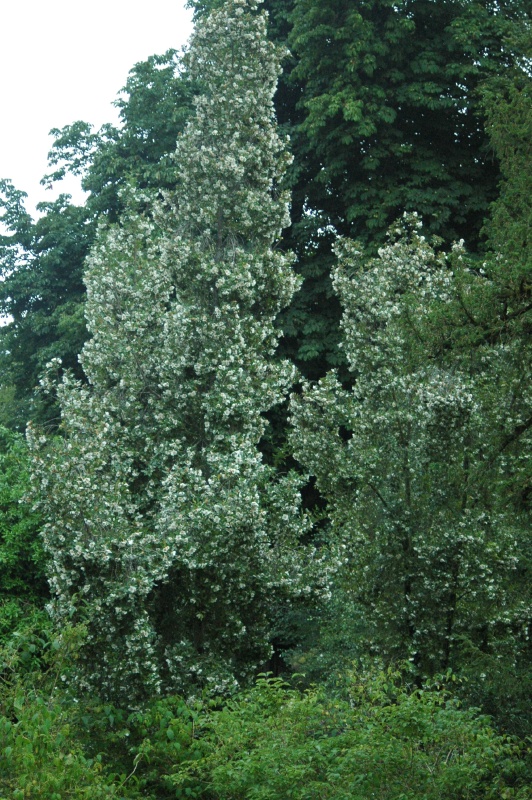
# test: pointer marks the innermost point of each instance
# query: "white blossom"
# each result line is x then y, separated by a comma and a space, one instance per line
159, 506
409, 457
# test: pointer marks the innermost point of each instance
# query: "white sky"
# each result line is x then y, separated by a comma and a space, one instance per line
65, 60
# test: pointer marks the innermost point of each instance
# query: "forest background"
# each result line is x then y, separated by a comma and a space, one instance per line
372, 544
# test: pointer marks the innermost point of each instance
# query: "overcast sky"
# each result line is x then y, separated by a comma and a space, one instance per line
64, 60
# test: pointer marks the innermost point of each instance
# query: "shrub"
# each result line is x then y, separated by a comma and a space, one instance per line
381, 740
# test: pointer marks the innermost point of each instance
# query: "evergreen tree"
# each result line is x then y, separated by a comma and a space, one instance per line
165, 530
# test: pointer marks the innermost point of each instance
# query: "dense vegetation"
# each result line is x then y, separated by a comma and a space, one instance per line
278, 511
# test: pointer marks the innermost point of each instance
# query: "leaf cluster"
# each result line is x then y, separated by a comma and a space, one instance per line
23, 586
380, 739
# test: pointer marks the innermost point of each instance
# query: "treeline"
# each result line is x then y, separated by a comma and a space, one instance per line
292, 444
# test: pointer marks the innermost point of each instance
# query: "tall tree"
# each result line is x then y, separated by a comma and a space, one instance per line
154, 106
165, 530
415, 460
388, 119
391, 112
382, 105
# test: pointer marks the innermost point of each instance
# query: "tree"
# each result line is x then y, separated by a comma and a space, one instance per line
310, 323
165, 531
154, 106
416, 458
418, 143
381, 100
391, 113
42, 294
388, 118
42, 261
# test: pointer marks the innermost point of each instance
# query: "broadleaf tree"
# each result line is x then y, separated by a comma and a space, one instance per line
41, 294
417, 456
384, 111
166, 533
42, 261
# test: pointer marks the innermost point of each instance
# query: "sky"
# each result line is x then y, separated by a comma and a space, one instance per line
66, 60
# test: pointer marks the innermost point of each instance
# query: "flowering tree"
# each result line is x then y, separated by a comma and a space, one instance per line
166, 532
415, 457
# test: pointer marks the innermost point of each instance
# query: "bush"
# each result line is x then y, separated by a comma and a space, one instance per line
378, 738
157, 739
275, 743
40, 756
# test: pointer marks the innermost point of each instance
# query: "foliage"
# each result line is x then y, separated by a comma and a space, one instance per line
165, 531
39, 756
276, 743
500, 312
378, 736
23, 587
390, 107
42, 261
381, 100
54, 745
173, 530
41, 293
8, 404
507, 107
387, 118
392, 122
154, 106
415, 460
157, 739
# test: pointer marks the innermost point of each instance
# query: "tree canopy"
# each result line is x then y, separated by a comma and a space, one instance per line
179, 537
